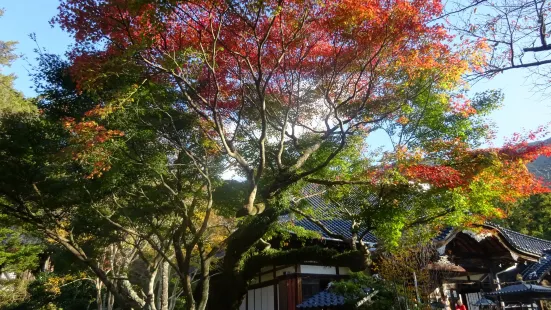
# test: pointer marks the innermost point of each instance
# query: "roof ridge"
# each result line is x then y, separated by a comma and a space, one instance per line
516, 232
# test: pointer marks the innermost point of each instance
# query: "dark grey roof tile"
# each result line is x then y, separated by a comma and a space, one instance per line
322, 299
523, 242
521, 288
536, 271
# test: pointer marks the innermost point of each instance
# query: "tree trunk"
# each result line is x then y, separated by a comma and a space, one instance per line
165, 276
110, 301
205, 282
150, 297
125, 298
188, 292
230, 286
227, 291
159, 294
99, 296
130, 294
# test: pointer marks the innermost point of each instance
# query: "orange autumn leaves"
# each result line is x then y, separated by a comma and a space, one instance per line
500, 172
225, 46
354, 52
88, 141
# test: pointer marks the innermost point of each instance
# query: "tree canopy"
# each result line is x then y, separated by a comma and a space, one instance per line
531, 217
159, 100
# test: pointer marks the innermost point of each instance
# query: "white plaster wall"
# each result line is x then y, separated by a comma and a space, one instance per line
250, 297
286, 270
317, 269
260, 299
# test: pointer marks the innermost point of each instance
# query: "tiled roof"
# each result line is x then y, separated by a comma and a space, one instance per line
523, 242
521, 288
483, 302
322, 299
341, 227
328, 214
537, 270
444, 233
327, 298
520, 242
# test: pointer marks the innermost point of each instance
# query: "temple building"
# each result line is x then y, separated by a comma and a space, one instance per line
489, 264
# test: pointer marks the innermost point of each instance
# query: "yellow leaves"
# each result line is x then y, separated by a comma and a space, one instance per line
101, 111
508, 181
61, 231
475, 54
218, 229
402, 120
53, 284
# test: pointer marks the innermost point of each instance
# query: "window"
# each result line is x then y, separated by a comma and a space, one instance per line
312, 286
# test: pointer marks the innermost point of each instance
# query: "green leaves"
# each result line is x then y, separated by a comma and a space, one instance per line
359, 285
19, 249
11, 100
531, 216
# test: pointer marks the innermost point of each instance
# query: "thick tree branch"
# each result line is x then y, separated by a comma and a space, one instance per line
319, 224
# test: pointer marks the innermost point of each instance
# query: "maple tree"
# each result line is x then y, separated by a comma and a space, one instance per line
514, 35
438, 179
281, 87
160, 98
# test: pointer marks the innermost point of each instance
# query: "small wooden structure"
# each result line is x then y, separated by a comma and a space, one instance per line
485, 303
526, 296
493, 257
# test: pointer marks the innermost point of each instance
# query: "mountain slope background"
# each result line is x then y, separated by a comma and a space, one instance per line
541, 167
533, 215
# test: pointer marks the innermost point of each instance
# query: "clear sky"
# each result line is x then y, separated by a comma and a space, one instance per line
523, 109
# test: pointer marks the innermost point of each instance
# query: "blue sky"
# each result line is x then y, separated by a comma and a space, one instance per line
523, 109
22, 18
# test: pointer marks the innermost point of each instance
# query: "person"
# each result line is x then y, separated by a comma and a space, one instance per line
446, 303
460, 306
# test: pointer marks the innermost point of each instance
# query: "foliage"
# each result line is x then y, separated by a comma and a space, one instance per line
19, 248
13, 293
407, 272
74, 295
354, 290
531, 216
258, 77
445, 181
11, 100
19, 251
88, 173
159, 99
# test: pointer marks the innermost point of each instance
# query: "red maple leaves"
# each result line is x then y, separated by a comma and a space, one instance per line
88, 141
438, 176
221, 47
501, 170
